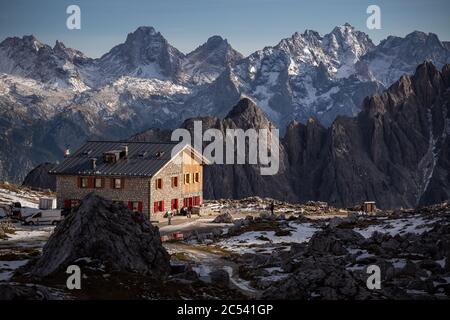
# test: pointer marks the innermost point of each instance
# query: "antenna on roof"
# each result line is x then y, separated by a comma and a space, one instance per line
67, 151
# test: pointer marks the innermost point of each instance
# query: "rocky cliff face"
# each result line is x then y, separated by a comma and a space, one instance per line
394, 152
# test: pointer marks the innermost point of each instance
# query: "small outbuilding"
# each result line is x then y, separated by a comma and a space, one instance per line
369, 207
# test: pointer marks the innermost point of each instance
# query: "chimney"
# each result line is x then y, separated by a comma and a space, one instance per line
94, 163
125, 150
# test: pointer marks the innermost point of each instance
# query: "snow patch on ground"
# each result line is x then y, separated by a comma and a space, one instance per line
7, 268
417, 225
250, 241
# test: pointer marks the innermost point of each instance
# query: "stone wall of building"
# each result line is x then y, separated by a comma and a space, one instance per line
134, 189
177, 167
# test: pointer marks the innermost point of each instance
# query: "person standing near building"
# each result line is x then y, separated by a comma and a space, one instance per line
272, 206
169, 217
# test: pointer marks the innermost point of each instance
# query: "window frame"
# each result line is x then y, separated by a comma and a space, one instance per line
159, 205
159, 183
82, 185
115, 183
95, 182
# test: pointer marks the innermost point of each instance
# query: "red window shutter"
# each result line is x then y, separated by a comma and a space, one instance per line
199, 200
155, 206
67, 204
162, 205
190, 202
176, 204
130, 205
140, 206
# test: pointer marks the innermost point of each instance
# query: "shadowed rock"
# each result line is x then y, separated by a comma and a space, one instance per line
105, 231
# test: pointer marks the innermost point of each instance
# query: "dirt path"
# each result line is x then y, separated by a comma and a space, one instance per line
206, 261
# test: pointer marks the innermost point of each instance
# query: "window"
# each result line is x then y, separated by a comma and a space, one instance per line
98, 183
187, 202
187, 179
135, 206
159, 183
158, 206
84, 182
174, 204
67, 204
197, 177
116, 183
174, 182
197, 201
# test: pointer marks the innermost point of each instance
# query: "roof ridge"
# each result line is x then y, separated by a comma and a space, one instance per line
126, 141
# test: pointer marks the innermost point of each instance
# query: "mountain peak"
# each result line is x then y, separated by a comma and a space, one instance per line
247, 114
145, 30
215, 41
59, 45
143, 35
28, 41
342, 29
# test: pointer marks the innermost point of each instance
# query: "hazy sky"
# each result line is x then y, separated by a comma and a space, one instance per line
248, 25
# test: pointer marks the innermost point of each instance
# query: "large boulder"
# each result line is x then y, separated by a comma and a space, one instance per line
334, 241
106, 232
40, 179
223, 218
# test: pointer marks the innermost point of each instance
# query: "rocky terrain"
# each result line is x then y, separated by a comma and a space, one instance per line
236, 250
290, 256
54, 97
120, 254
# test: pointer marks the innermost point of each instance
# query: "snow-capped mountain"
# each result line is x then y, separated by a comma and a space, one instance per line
144, 54
208, 61
307, 75
51, 97
396, 56
59, 67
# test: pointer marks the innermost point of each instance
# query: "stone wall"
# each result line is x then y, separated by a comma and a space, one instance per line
134, 189
176, 167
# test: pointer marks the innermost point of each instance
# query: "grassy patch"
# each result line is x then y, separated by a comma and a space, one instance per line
180, 256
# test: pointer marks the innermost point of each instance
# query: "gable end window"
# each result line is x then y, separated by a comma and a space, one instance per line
159, 183
174, 182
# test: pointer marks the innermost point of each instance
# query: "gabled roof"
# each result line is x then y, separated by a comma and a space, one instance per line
144, 159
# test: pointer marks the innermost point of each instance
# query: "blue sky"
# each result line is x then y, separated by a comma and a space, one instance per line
248, 25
